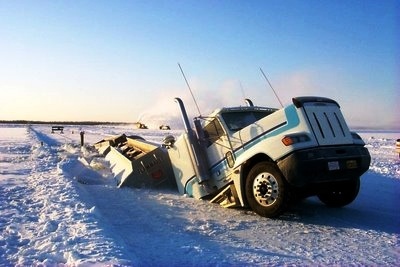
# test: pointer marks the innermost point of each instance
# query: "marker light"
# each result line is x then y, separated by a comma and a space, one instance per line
157, 174
295, 138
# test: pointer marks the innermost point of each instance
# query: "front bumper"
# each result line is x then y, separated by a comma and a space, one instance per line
325, 164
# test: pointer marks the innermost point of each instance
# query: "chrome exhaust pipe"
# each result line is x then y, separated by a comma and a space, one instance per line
197, 154
249, 102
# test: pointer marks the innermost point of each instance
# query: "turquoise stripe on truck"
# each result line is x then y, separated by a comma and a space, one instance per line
292, 121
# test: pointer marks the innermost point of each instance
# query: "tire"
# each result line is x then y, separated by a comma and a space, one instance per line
267, 192
340, 194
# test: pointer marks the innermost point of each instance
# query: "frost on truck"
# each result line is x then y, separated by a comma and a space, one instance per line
256, 157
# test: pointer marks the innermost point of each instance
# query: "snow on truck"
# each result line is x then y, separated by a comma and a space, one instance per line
250, 156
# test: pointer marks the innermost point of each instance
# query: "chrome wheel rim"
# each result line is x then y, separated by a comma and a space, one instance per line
265, 189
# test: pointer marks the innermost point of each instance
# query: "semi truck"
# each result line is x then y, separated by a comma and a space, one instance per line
250, 156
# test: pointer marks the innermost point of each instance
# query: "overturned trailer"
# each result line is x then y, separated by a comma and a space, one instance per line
136, 162
251, 156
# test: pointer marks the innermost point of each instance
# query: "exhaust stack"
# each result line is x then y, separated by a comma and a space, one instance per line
197, 152
249, 102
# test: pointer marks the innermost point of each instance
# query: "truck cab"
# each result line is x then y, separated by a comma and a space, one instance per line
250, 156
264, 157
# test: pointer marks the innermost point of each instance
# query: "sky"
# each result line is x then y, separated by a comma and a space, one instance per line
118, 60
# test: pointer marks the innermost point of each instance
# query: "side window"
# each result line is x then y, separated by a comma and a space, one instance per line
213, 131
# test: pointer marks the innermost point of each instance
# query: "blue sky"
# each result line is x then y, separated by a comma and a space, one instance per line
117, 60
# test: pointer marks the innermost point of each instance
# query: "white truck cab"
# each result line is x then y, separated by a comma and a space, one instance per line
257, 157
264, 158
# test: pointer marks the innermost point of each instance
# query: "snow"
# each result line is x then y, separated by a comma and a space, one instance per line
59, 205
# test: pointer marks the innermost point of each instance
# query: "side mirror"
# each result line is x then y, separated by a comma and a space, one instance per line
169, 141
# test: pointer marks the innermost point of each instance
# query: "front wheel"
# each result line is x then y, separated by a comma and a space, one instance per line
340, 194
267, 192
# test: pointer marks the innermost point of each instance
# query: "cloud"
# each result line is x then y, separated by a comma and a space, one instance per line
362, 107
298, 83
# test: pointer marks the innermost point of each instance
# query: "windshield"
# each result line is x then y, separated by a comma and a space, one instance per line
240, 119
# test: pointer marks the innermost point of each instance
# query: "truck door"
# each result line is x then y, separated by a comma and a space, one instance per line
218, 147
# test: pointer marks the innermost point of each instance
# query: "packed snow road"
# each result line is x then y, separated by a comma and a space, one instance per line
59, 205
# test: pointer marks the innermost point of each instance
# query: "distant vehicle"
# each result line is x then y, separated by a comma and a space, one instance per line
140, 125
165, 127
257, 157
57, 128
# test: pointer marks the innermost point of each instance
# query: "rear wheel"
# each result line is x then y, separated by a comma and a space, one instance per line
266, 190
340, 194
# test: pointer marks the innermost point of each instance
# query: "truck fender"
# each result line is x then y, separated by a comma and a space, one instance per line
249, 156
241, 169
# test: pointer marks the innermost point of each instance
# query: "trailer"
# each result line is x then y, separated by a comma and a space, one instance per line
251, 156
136, 162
